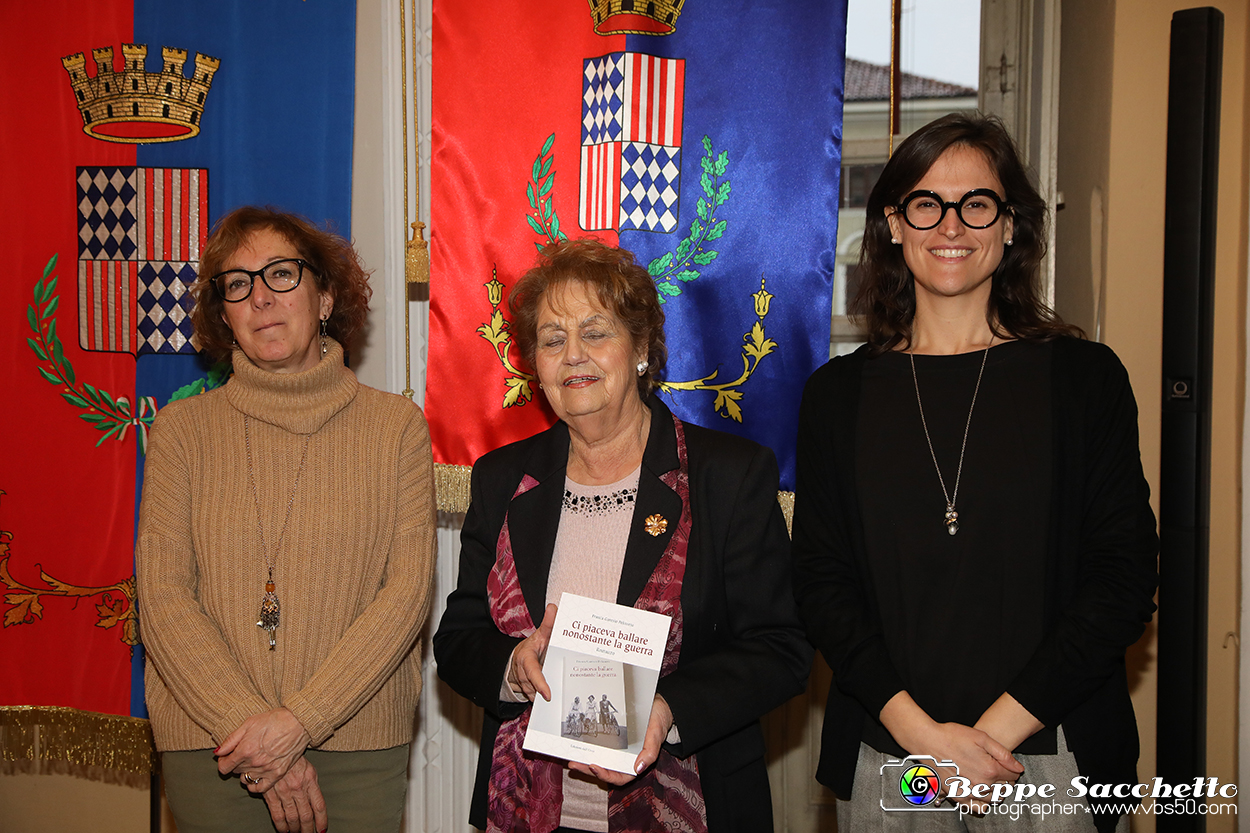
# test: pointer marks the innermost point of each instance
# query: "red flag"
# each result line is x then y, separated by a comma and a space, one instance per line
66, 518
483, 216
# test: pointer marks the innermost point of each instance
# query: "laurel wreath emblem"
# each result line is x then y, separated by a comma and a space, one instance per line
105, 412
544, 221
669, 271
692, 252
112, 415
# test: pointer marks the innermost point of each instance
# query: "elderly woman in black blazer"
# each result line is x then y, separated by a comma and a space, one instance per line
621, 501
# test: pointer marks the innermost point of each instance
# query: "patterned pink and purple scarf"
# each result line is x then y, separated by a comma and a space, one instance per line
526, 790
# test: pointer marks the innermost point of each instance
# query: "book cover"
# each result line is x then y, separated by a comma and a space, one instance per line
602, 664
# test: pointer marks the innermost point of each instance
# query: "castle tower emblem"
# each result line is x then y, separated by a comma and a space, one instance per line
136, 106
635, 17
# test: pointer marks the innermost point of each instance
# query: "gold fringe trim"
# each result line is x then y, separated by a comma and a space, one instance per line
451, 484
51, 740
786, 499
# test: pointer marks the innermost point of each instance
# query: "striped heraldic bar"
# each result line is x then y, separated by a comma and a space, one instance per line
140, 233
631, 142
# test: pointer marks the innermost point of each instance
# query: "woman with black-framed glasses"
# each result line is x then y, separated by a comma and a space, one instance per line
974, 545
285, 549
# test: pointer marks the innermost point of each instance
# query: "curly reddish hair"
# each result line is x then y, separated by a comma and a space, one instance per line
332, 262
622, 286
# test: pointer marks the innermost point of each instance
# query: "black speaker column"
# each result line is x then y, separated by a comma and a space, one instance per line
1185, 465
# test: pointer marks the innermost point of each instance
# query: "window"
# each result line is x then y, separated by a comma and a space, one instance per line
940, 48
857, 182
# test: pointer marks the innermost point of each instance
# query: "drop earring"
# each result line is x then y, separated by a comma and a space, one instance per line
324, 347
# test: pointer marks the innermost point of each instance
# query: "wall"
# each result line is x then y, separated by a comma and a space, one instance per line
56, 803
1115, 144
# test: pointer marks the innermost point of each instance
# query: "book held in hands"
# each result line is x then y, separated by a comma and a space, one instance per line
602, 664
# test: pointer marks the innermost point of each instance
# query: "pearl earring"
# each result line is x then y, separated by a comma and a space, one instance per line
641, 367
1010, 241
894, 240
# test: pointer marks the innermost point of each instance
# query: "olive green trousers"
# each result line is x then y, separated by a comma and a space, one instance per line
364, 792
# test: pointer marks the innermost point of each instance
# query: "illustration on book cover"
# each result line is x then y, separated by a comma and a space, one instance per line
592, 714
603, 665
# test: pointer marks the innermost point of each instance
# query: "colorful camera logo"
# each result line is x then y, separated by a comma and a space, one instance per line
919, 785
914, 784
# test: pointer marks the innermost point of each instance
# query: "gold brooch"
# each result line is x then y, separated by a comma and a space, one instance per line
656, 525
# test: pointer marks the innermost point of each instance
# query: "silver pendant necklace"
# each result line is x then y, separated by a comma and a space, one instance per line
951, 518
270, 610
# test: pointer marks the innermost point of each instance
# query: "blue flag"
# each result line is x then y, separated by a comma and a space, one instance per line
709, 147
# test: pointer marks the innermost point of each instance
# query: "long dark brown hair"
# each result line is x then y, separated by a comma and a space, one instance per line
885, 302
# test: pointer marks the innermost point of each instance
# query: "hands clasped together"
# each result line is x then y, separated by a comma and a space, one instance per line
525, 676
979, 758
267, 753
975, 750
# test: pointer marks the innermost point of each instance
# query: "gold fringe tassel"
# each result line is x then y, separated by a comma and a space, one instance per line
51, 740
786, 499
451, 484
417, 256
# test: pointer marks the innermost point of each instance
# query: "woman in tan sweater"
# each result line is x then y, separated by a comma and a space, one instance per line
285, 550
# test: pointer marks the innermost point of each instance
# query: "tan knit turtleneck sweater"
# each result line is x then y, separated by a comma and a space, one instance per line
352, 575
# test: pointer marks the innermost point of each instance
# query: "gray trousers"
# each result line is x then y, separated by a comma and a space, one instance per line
364, 792
1061, 813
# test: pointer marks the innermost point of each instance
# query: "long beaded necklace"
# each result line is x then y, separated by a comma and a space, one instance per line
951, 519
270, 610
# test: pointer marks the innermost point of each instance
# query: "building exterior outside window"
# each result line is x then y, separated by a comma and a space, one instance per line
865, 149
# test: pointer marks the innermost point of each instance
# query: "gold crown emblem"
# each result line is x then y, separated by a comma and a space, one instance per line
136, 106
635, 17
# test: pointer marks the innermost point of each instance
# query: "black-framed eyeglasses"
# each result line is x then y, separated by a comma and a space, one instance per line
979, 208
280, 276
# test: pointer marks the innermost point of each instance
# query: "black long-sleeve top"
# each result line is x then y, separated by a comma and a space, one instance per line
1097, 584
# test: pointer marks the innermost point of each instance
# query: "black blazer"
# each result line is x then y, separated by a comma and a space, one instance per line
743, 651
1100, 571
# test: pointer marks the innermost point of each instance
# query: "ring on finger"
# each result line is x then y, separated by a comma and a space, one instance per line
251, 779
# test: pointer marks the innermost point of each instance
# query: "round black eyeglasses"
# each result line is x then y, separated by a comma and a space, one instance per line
979, 208
280, 276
